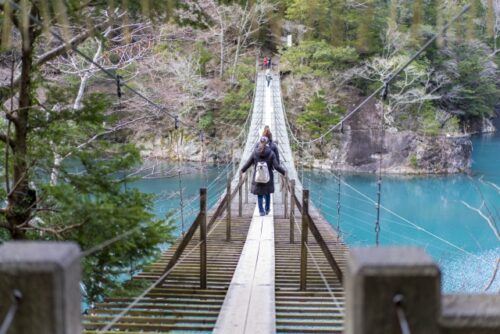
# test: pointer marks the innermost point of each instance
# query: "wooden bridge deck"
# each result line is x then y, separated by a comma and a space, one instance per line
179, 305
313, 310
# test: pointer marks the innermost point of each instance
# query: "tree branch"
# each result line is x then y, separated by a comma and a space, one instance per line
54, 231
5, 139
64, 48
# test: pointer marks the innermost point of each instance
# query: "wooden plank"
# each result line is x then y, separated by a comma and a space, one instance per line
249, 304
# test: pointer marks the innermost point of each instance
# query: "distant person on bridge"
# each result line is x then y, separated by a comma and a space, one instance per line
264, 62
269, 63
268, 77
264, 160
267, 133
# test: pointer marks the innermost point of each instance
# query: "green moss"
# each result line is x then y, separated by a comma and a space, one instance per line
412, 160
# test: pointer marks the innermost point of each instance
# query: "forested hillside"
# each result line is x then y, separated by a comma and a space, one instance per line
347, 50
89, 88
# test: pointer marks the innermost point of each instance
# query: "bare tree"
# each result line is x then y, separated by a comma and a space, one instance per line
75, 65
248, 21
494, 12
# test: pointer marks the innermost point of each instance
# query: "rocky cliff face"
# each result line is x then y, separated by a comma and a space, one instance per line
406, 153
358, 149
176, 146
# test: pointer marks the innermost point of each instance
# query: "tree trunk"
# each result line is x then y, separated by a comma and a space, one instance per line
19, 199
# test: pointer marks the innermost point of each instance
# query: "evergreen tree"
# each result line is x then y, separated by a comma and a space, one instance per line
89, 203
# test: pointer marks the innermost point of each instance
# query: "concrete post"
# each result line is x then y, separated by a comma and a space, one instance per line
466, 314
376, 275
48, 276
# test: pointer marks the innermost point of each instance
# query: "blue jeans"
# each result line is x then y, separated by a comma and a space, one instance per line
260, 198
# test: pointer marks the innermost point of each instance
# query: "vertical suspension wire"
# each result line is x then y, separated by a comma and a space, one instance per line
181, 199
385, 91
302, 165
339, 179
203, 160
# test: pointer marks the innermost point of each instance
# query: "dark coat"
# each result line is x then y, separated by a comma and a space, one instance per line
270, 158
273, 148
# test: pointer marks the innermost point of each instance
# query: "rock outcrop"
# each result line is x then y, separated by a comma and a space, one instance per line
358, 148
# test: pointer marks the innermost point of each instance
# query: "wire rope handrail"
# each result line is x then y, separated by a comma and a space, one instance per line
410, 223
326, 251
404, 220
178, 256
315, 231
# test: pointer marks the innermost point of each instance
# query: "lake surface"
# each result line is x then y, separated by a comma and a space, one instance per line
433, 212
168, 179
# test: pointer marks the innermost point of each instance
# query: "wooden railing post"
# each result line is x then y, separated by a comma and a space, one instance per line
303, 247
285, 202
282, 187
247, 176
292, 211
228, 208
203, 238
240, 197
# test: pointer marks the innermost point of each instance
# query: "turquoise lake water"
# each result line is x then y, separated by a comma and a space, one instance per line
429, 211
433, 212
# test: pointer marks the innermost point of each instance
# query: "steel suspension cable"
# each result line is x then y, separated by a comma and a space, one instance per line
154, 284
380, 155
323, 277
125, 234
389, 78
419, 228
16, 297
403, 219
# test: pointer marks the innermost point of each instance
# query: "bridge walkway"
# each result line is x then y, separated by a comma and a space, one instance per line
179, 304
272, 300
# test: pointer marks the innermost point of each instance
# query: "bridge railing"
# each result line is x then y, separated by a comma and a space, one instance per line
308, 224
201, 222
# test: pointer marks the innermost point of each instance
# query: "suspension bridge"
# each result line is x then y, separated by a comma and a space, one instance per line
235, 271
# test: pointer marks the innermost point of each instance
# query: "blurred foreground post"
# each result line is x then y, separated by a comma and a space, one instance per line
47, 275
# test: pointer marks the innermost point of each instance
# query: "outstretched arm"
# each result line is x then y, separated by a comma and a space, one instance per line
276, 153
247, 164
277, 166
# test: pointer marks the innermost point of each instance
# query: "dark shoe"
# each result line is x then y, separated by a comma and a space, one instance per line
262, 213
267, 212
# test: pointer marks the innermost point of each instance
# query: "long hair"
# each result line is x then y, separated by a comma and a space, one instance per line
267, 133
262, 147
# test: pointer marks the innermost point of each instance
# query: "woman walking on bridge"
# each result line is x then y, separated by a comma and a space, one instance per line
267, 133
265, 161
